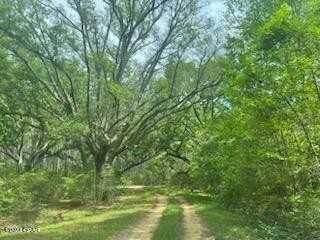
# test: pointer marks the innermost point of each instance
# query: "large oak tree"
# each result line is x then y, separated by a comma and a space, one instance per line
97, 68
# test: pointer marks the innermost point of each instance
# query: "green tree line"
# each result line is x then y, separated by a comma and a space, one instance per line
155, 92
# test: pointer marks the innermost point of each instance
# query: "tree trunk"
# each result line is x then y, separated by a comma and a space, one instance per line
99, 160
28, 166
84, 156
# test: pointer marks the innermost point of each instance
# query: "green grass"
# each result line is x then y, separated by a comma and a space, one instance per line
222, 224
104, 222
170, 227
89, 222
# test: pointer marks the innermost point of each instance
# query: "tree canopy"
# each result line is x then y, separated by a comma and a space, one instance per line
156, 92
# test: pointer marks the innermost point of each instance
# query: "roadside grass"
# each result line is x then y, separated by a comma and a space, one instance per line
170, 227
88, 222
222, 224
63, 221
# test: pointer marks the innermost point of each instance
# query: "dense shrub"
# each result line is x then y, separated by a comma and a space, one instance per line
7, 199
39, 186
78, 186
24, 192
85, 187
19, 192
303, 223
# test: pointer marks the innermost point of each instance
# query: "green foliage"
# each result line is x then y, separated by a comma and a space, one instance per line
78, 187
256, 148
7, 199
154, 174
28, 190
37, 186
72, 128
302, 223
260, 153
278, 29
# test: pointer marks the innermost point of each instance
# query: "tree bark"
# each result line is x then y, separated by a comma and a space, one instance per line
99, 159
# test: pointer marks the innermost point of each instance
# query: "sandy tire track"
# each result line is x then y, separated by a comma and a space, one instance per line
145, 228
194, 229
